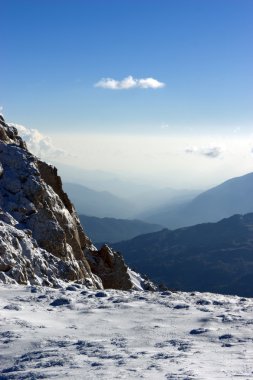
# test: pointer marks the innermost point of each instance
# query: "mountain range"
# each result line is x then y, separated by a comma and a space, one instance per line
233, 196
111, 230
212, 257
98, 203
107, 204
166, 207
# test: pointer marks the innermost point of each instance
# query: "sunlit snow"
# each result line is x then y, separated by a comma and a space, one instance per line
76, 333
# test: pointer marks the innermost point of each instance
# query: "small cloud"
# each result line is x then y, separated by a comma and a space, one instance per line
210, 151
39, 144
1, 109
128, 83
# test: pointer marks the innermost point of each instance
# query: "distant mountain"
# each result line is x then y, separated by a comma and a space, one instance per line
107, 181
234, 196
213, 257
150, 201
97, 203
111, 230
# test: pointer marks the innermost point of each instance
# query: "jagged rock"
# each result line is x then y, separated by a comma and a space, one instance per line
41, 238
24, 262
31, 198
111, 268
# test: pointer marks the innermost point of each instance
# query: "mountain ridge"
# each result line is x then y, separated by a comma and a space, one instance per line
111, 230
213, 257
97, 203
41, 238
231, 197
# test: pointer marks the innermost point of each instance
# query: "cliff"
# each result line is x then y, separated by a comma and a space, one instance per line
41, 238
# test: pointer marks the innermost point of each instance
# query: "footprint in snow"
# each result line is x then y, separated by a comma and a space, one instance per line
84, 293
8, 337
118, 300
13, 306
225, 336
180, 376
140, 298
166, 293
181, 345
229, 318
119, 342
60, 302
162, 356
96, 364
91, 349
101, 294
203, 302
41, 298
111, 356
181, 306
198, 331
218, 303
71, 288
163, 344
34, 360
154, 366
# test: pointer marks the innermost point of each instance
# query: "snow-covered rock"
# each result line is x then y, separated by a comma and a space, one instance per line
23, 262
41, 238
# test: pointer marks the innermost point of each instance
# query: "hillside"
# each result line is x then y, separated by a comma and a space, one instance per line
229, 198
111, 230
213, 257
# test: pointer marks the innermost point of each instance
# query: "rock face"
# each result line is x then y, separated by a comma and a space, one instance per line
110, 266
41, 238
22, 261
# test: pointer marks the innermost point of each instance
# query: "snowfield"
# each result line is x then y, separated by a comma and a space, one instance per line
76, 333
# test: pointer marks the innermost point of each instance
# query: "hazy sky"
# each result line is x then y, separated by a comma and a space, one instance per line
157, 88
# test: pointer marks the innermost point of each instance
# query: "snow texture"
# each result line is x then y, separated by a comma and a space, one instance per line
79, 333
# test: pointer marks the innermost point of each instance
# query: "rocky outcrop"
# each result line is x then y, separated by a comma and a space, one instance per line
31, 192
41, 238
22, 261
111, 268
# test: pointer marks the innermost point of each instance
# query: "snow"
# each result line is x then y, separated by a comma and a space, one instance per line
78, 333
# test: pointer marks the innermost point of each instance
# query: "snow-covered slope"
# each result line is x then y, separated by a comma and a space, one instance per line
76, 333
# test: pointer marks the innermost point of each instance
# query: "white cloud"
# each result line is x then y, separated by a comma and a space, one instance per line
39, 144
129, 82
210, 151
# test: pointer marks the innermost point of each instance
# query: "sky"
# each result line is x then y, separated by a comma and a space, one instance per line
153, 89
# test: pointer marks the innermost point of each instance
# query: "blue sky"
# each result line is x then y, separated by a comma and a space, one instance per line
53, 52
